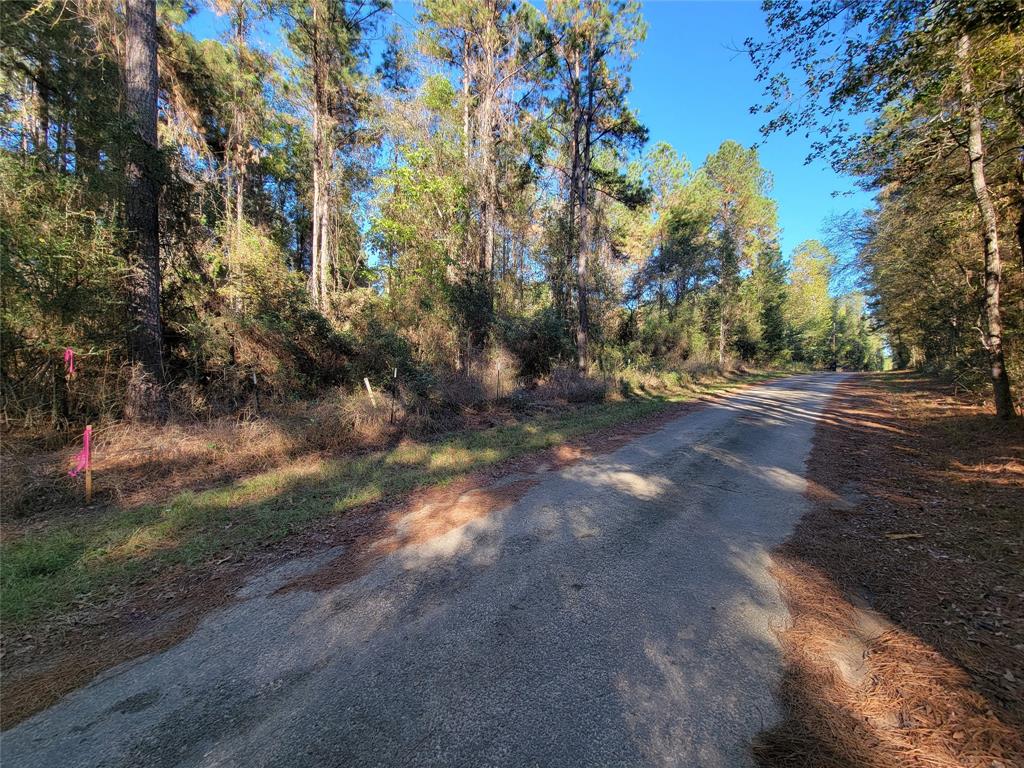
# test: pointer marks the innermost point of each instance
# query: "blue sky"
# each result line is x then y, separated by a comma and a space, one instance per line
693, 89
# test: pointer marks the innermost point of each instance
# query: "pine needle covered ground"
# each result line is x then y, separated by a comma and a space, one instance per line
905, 586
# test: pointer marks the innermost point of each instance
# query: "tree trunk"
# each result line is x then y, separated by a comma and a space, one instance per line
487, 85
313, 280
62, 145
467, 140
990, 234
582, 288
727, 279
42, 138
583, 312
572, 251
327, 248
582, 235
239, 127
229, 188
485, 176
146, 399
1020, 218
722, 333
27, 89
239, 201
465, 99
490, 207
315, 284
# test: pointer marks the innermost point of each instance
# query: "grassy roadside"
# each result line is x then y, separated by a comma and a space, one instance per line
46, 573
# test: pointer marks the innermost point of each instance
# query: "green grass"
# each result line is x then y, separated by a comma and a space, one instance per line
47, 572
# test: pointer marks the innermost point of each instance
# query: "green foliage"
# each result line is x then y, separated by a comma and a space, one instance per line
808, 307
320, 223
739, 187
438, 94
62, 280
858, 347
769, 281
537, 341
922, 73
260, 322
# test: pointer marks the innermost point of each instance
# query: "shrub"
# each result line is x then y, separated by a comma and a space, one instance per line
253, 338
566, 384
373, 420
62, 280
537, 342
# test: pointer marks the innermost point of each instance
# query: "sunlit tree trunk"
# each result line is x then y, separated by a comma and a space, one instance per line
239, 127
320, 138
42, 140
327, 246
487, 85
990, 234
582, 241
27, 87
467, 141
571, 235
721, 333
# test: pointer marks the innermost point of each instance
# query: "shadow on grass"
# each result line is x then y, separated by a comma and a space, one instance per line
44, 571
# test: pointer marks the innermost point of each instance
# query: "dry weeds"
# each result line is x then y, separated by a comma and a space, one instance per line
138, 464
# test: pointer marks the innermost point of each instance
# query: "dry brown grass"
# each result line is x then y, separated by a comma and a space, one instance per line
565, 384
916, 512
138, 464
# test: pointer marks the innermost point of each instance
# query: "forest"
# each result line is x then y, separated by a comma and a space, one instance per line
408, 383
221, 226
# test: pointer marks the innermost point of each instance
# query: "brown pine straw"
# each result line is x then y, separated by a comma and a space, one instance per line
915, 500
900, 704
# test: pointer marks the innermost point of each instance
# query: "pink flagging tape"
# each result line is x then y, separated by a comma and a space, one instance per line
84, 456
69, 360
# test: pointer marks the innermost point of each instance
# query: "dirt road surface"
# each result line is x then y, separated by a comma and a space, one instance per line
619, 613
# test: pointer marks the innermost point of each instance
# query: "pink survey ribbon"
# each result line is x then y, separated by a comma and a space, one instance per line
84, 456
69, 360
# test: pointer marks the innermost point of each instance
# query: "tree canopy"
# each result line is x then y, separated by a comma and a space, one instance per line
478, 187
922, 100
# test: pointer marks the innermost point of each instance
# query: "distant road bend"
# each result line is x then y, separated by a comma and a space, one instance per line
620, 613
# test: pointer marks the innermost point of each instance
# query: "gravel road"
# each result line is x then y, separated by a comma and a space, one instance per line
620, 613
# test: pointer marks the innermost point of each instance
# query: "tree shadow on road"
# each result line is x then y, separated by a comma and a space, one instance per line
611, 615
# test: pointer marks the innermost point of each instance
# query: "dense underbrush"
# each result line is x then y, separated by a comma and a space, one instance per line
137, 463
